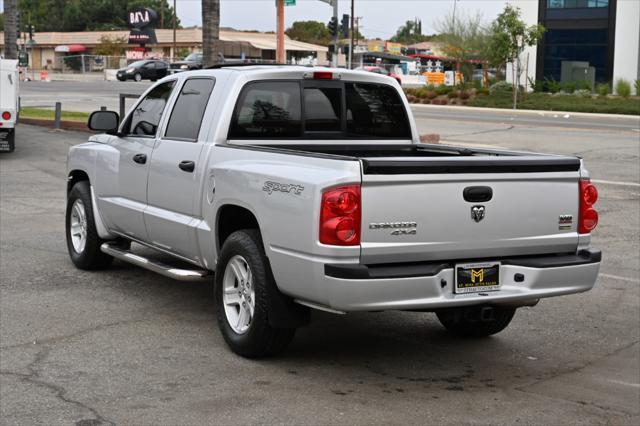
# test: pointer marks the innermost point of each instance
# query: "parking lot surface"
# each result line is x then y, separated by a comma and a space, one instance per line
125, 346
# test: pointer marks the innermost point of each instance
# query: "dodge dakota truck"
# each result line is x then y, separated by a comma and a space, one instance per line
294, 188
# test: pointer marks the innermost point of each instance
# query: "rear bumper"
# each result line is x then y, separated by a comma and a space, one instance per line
425, 286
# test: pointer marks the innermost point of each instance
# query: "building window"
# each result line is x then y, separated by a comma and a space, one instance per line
576, 4
588, 45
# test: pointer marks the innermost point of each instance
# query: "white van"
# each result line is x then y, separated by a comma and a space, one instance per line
9, 82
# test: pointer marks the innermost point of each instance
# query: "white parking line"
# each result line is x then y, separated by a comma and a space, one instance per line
620, 382
615, 182
617, 277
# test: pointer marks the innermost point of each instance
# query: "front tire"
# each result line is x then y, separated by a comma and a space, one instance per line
137, 77
242, 301
83, 242
476, 321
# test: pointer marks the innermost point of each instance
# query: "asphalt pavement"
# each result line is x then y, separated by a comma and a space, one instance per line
126, 346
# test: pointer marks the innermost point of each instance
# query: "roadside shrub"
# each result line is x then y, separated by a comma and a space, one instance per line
637, 84
584, 85
443, 90
569, 86
602, 89
536, 85
482, 92
411, 92
425, 101
431, 94
553, 86
582, 93
453, 94
464, 95
623, 88
501, 86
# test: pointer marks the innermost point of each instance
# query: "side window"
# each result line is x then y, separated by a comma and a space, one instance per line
269, 109
186, 117
146, 117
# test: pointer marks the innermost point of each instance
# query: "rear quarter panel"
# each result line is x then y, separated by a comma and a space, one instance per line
288, 220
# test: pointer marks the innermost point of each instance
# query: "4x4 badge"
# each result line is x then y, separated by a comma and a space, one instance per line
477, 213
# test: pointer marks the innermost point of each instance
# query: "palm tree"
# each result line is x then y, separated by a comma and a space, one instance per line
210, 31
10, 36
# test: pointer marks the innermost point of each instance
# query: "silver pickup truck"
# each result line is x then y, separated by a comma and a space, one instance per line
297, 188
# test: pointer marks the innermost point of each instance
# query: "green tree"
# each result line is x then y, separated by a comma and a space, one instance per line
88, 15
463, 37
410, 33
508, 37
310, 32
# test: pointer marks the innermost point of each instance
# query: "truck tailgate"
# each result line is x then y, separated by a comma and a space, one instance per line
416, 209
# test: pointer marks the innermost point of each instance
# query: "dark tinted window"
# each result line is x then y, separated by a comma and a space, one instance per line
267, 110
188, 110
323, 109
146, 117
375, 110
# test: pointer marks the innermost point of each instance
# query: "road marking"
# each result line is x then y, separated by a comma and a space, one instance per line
615, 182
621, 382
618, 277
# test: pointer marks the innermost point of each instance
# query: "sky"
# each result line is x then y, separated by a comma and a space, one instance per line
380, 18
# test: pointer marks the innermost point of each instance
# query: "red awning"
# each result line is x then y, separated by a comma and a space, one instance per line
71, 48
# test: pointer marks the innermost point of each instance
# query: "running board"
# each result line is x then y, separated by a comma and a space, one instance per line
191, 275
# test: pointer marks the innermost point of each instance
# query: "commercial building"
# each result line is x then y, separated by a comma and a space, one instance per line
48, 48
596, 40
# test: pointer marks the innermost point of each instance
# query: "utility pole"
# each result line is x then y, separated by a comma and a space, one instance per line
281, 57
174, 30
353, 18
10, 30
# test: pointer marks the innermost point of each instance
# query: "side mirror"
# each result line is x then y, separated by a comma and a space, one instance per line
104, 121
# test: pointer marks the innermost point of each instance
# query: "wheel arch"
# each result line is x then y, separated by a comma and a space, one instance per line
76, 176
231, 218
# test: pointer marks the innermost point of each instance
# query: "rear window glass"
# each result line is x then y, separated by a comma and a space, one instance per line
274, 109
375, 110
268, 110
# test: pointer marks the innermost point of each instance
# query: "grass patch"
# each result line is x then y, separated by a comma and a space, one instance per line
545, 101
49, 114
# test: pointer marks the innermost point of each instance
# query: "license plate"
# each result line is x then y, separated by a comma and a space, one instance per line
476, 277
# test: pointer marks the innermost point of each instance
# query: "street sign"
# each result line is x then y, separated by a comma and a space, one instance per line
289, 2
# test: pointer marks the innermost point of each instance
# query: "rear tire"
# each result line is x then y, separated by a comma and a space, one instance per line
83, 242
241, 282
137, 77
476, 321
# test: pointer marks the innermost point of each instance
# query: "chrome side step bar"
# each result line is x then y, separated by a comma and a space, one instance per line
191, 275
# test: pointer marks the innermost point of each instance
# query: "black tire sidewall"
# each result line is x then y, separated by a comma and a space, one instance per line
92, 257
247, 244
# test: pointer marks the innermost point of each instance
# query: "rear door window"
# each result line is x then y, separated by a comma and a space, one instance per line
186, 117
268, 109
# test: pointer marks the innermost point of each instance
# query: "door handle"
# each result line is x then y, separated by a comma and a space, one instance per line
140, 158
477, 194
187, 166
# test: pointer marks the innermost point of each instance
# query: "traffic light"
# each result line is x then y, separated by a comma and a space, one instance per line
333, 26
18, 26
344, 27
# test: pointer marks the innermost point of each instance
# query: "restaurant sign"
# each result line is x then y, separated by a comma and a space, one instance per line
142, 22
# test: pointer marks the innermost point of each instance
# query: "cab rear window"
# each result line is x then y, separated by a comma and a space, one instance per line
313, 110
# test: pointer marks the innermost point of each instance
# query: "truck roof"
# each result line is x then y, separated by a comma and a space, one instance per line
280, 71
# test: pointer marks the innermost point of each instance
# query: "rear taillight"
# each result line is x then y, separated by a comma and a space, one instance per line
588, 215
340, 213
6, 115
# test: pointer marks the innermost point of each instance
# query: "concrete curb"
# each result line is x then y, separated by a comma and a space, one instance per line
77, 126
527, 111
